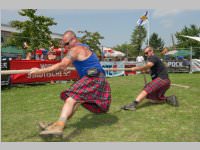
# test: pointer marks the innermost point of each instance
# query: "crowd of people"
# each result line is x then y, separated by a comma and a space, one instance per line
52, 53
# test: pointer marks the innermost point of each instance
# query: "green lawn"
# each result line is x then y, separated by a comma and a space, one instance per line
24, 106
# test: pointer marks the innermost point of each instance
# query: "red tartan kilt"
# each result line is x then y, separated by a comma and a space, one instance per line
157, 88
93, 93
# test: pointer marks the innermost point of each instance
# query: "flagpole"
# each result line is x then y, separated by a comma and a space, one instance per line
148, 35
148, 31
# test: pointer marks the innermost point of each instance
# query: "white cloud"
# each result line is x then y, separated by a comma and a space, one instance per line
165, 12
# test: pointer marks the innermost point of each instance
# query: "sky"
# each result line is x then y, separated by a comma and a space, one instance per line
116, 26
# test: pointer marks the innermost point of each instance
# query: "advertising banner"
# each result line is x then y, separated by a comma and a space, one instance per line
28, 64
118, 64
178, 66
195, 65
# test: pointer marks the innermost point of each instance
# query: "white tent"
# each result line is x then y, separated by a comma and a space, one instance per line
192, 37
108, 52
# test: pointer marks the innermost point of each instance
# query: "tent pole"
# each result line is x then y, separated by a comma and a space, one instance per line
191, 59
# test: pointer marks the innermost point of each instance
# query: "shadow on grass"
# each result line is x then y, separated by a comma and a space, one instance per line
89, 121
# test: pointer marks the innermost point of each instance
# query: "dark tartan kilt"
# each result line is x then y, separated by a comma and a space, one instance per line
93, 93
157, 88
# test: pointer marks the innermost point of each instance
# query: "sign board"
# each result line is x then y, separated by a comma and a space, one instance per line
28, 64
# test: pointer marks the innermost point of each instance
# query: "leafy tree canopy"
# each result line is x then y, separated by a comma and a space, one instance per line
92, 39
34, 31
156, 42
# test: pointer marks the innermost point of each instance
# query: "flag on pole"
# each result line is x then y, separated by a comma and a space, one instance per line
143, 19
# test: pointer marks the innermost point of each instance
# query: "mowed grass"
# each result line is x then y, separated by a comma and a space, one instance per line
24, 106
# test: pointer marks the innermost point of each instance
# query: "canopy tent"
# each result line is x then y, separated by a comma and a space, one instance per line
171, 52
192, 37
12, 50
182, 53
179, 53
108, 52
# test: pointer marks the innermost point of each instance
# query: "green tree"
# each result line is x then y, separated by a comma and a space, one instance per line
128, 49
183, 42
156, 42
138, 37
56, 42
92, 39
34, 31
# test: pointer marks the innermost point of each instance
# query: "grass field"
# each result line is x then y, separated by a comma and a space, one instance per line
24, 106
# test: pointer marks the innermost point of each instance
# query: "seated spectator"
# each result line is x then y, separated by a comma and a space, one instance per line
29, 56
51, 55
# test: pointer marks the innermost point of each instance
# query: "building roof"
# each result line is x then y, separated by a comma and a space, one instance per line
7, 28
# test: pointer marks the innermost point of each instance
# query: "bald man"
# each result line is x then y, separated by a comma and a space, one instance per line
92, 91
155, 90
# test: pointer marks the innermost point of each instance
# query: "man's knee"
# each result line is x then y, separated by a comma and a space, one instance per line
144, 93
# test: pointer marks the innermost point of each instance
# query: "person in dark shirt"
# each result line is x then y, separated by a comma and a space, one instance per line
154, 90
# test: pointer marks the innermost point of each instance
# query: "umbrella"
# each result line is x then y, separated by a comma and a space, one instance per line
112, 53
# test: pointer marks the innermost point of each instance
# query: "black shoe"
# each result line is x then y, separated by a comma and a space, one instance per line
172, 100
131, 107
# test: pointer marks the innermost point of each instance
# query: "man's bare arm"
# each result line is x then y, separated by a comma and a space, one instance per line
66, 61
143, 68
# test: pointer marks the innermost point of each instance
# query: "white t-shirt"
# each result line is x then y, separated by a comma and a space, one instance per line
140, 59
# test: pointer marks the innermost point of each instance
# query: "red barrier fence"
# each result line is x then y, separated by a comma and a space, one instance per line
28, 64
129, 72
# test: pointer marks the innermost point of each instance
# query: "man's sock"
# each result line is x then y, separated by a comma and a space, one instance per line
61, 121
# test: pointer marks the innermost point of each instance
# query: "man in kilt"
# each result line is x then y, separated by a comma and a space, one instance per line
92, 91
155, 90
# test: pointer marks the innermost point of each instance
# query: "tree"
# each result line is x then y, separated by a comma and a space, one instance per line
128, 49
92, 39
156, 42
183, 42
138, 37
34, 31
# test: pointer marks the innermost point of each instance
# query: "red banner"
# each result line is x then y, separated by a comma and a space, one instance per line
28, 64
129, 72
